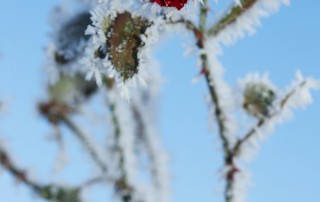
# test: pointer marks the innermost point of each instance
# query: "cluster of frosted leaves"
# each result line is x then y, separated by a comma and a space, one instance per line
106, 39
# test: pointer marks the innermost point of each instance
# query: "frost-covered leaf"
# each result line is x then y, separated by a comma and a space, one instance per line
124, 42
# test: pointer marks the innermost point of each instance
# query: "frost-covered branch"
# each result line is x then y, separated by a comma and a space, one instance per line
230, 16
149, 141
240, 20
268, 112
133, 131
265, 120
219, 113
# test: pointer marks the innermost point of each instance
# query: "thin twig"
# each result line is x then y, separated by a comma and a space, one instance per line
85, 142
18, 173
189, 25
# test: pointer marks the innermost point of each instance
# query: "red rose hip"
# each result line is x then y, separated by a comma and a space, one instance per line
178, 4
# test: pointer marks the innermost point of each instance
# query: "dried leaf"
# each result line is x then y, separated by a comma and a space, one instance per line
124, 43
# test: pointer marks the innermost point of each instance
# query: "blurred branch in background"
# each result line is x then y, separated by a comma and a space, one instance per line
49, 192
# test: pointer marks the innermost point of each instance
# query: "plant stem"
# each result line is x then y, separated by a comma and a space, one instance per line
262, 122
219, 114
210, 81
19, 174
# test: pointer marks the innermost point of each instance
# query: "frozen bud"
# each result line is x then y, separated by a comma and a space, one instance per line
72, 90
70, 38
258, 99
124, 43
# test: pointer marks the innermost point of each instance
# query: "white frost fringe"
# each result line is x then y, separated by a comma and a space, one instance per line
248, 22
98, 67
224, 91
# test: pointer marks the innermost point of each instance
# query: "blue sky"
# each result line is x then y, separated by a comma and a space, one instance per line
285, 169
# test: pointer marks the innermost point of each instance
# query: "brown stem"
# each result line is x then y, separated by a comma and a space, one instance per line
191, 27
219, 113
18, 173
